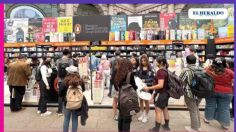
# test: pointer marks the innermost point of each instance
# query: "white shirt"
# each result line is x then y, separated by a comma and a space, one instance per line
45, 72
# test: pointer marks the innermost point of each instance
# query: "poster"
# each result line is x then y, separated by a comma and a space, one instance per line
206, 25
222, 32
168, 21
49, 25
219, 23
16, 30
135, 23
64, 24
151, 21
35, 28
185, 23
87, 28
118, 23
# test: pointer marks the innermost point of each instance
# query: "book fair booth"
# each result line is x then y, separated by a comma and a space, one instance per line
166, 34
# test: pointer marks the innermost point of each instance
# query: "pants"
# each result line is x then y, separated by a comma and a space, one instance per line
232, 110
192, 105
43, 97
16, 97
107, 77
218, 108
124, 123
68, 114
60, 101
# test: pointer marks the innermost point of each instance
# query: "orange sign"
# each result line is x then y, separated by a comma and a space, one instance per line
224, 40
195, 41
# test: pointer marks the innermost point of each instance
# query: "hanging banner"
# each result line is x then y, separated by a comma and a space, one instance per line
185, 23
95, 28
64, 24
49, 25
118, 23
135, 23
35, 28
151, 21
168, 21
16, 30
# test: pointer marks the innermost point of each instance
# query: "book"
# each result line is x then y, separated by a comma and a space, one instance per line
179, 35
201, 34
222, 32
172, 35
167, 34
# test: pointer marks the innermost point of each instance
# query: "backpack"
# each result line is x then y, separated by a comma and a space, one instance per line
74, 98
202, 84
128, 99
62, 69
38, 75
175, 85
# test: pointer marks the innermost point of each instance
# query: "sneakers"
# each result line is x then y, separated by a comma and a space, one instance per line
47, 113
206, 121
59, 114
225, 127
145, 118
189, 129
38, 112
116, 117
166, 128
141, 117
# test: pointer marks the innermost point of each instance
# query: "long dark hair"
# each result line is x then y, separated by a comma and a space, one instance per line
45, 62
145, 57
74, 80
124, 66
219, 65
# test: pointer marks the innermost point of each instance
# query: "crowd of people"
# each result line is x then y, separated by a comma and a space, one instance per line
115, 72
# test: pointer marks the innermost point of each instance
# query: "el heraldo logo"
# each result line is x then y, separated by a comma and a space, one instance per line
207, 13
77, 29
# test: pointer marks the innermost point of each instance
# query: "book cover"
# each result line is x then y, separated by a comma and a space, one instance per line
64, 24
201, 34
172, 35
49, 25
111, 36
168, 21
135, 23
35, 27
223, 32
151, 21
184, 34
185, 23
118, 23
167, 35
194, 34
179, 35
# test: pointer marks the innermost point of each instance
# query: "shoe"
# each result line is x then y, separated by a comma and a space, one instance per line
18, 110
206, 121
59, 114
225, 127
145, 118
141, 117
38, 112
47, 113
154, 129
189, 129
165, 127
116, 117
109, 95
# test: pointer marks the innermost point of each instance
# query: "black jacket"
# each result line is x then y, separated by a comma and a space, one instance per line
147, 75
132, 82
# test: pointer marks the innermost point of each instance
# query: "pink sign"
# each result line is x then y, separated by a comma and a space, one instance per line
168, 21
49, 25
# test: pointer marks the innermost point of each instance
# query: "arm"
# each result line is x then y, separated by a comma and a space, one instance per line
132, 81
28, 70
43, 71
158, 86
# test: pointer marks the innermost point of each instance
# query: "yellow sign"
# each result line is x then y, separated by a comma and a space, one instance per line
230, 31
65, 24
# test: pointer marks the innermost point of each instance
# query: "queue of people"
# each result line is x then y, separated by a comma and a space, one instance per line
115, 72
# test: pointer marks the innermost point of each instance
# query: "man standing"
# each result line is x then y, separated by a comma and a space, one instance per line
62, 63
191, 100
18, 74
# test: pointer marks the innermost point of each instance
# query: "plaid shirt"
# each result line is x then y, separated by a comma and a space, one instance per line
187, 76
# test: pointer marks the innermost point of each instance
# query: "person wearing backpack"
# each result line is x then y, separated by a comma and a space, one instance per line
45, 71
191, 100
124, 83
62, 64
218, 104
161, 96
71, 91
146, 73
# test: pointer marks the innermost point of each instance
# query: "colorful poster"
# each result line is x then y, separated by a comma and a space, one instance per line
35, 27
151, 21
16, 30
217, 24
118, 23
223, 32
95, 28
135, 23
206, 25
185, 23
49, 25
64, 24
168, 21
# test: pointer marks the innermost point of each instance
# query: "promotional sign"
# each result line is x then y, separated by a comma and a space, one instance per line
16, 30
135, 23
49, 25
64, 24
168, 21
95, 28
208, 13
151, 21
118, 23
35, 27
185, 23
206, 25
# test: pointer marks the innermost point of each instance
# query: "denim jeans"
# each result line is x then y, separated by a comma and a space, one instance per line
42, 106
124, 123
218, 108
67, 115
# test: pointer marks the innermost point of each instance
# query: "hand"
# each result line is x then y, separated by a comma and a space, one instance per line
47, 87
146, 89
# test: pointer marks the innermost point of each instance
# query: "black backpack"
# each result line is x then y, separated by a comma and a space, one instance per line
128, 99
62, 69
175, 85
202, 84
38, 75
